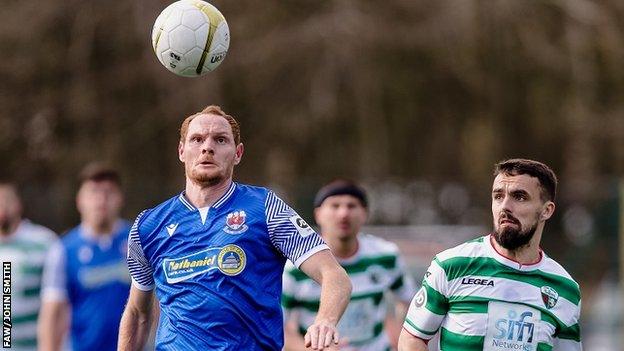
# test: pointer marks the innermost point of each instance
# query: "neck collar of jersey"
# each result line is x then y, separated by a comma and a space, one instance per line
217, 204
105, 238
487, 242
353, 256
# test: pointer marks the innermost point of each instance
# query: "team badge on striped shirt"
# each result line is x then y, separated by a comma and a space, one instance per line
549, 296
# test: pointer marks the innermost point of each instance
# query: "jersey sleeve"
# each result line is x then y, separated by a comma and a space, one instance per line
289, 233
138, 265
569, 338
54, 280
429, 305
403, 286
572, 344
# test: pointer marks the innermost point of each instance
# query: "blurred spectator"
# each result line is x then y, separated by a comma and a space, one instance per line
25, 245
85, 277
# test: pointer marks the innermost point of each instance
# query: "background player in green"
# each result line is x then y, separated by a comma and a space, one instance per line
373, 265
25, 245
501, 291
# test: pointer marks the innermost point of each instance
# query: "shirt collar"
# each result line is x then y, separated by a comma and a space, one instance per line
487, 242
102, 240
223, 199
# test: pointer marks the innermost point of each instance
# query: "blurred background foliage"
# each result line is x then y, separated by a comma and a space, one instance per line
417, 99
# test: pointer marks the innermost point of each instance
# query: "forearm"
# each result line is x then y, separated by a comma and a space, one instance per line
393, 323
52, 326
408, 342
134, 329
392, 327
335, 294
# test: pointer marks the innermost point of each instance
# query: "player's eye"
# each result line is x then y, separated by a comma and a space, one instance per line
221, 140
196, 139
497, 196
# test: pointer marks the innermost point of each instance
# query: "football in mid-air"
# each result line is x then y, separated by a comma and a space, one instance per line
190, 37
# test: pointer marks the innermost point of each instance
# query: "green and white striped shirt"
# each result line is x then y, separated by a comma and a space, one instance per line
485, 301
375, 270
26, 249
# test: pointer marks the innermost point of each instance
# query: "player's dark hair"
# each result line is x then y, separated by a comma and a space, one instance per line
212, 110
546, 177
98, 172
340, 187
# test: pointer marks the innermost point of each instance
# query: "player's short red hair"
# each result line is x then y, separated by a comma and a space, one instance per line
212, 110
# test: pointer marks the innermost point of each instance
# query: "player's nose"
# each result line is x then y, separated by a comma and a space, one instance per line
343, 212
507, 204
207, 147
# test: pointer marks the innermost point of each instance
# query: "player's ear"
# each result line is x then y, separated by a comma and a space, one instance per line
181, 151
240, 149
548, 209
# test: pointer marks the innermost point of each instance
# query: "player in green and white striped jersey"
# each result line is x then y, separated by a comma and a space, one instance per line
501, 292
373, 265
25, 245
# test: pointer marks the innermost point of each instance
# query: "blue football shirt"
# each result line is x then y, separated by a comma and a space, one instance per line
90, 273
217, 275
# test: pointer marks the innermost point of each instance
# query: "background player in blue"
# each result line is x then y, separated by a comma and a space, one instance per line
85, 276
215, 254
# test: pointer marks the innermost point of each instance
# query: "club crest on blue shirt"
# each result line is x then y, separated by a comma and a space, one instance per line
235, 222
231, 260
85, 254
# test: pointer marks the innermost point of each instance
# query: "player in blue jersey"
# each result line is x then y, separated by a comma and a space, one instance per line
86, 278
214, 256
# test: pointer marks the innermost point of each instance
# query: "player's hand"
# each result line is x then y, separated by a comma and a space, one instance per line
322, 335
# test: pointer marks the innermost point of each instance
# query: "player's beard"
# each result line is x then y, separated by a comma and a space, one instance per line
348, 233
513, 238
204, 179
207, 179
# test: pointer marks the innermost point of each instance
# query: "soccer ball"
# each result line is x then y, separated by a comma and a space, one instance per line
190, 37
